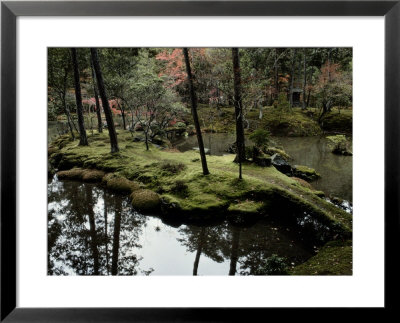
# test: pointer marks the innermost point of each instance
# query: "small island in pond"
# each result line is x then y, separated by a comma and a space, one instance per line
200, 161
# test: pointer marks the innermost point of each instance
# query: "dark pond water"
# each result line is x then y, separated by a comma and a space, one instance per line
92, 231
336, 171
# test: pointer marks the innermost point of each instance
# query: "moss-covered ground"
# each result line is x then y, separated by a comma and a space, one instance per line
177, 178
294, 123
335, 258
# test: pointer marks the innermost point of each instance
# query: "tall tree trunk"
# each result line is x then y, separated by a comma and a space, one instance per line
304, 79
292, 78
106, 107
241, 155
66, 110
234, 250
117, 230
92, 230
79, 109
193, 100
329, 64
276, 75
96, 97
106, 228
199, 250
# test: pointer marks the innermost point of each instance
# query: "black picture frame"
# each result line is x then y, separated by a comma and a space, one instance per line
10, 10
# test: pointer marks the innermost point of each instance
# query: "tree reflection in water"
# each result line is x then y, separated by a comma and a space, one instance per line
245, 247
92, 231
83, 221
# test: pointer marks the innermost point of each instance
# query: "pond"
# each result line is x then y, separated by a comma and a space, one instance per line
92, 231
336, 171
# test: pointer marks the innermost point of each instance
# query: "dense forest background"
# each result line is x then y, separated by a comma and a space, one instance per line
150, 83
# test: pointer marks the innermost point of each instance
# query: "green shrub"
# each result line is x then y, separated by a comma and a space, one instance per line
339, 144
274, 265
260, 137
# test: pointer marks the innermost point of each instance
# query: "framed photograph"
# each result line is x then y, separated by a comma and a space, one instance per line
197, 160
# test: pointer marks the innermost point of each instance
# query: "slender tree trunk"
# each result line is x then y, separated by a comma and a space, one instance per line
304, 79
241, 155
106, 107
122, 115
146, 136
117, 230
92, 229
193, 100
79, 109
106, 229
199, 250
66, 110
96, 97
276, 75
234, 250
292, 78
329, 65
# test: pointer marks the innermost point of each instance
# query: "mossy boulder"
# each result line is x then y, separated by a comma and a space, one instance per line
92, 175
145, 200
281, 164
74, 173
263, 160
273, 150
306, 173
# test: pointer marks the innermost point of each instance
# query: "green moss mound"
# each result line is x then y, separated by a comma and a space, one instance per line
122, 184
145, 200
92, 175
335, 258
74, 173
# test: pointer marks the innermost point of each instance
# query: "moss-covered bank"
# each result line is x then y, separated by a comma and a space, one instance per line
293, 123
177, 178
335, 258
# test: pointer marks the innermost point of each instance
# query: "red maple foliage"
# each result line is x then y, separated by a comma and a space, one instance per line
174, 68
